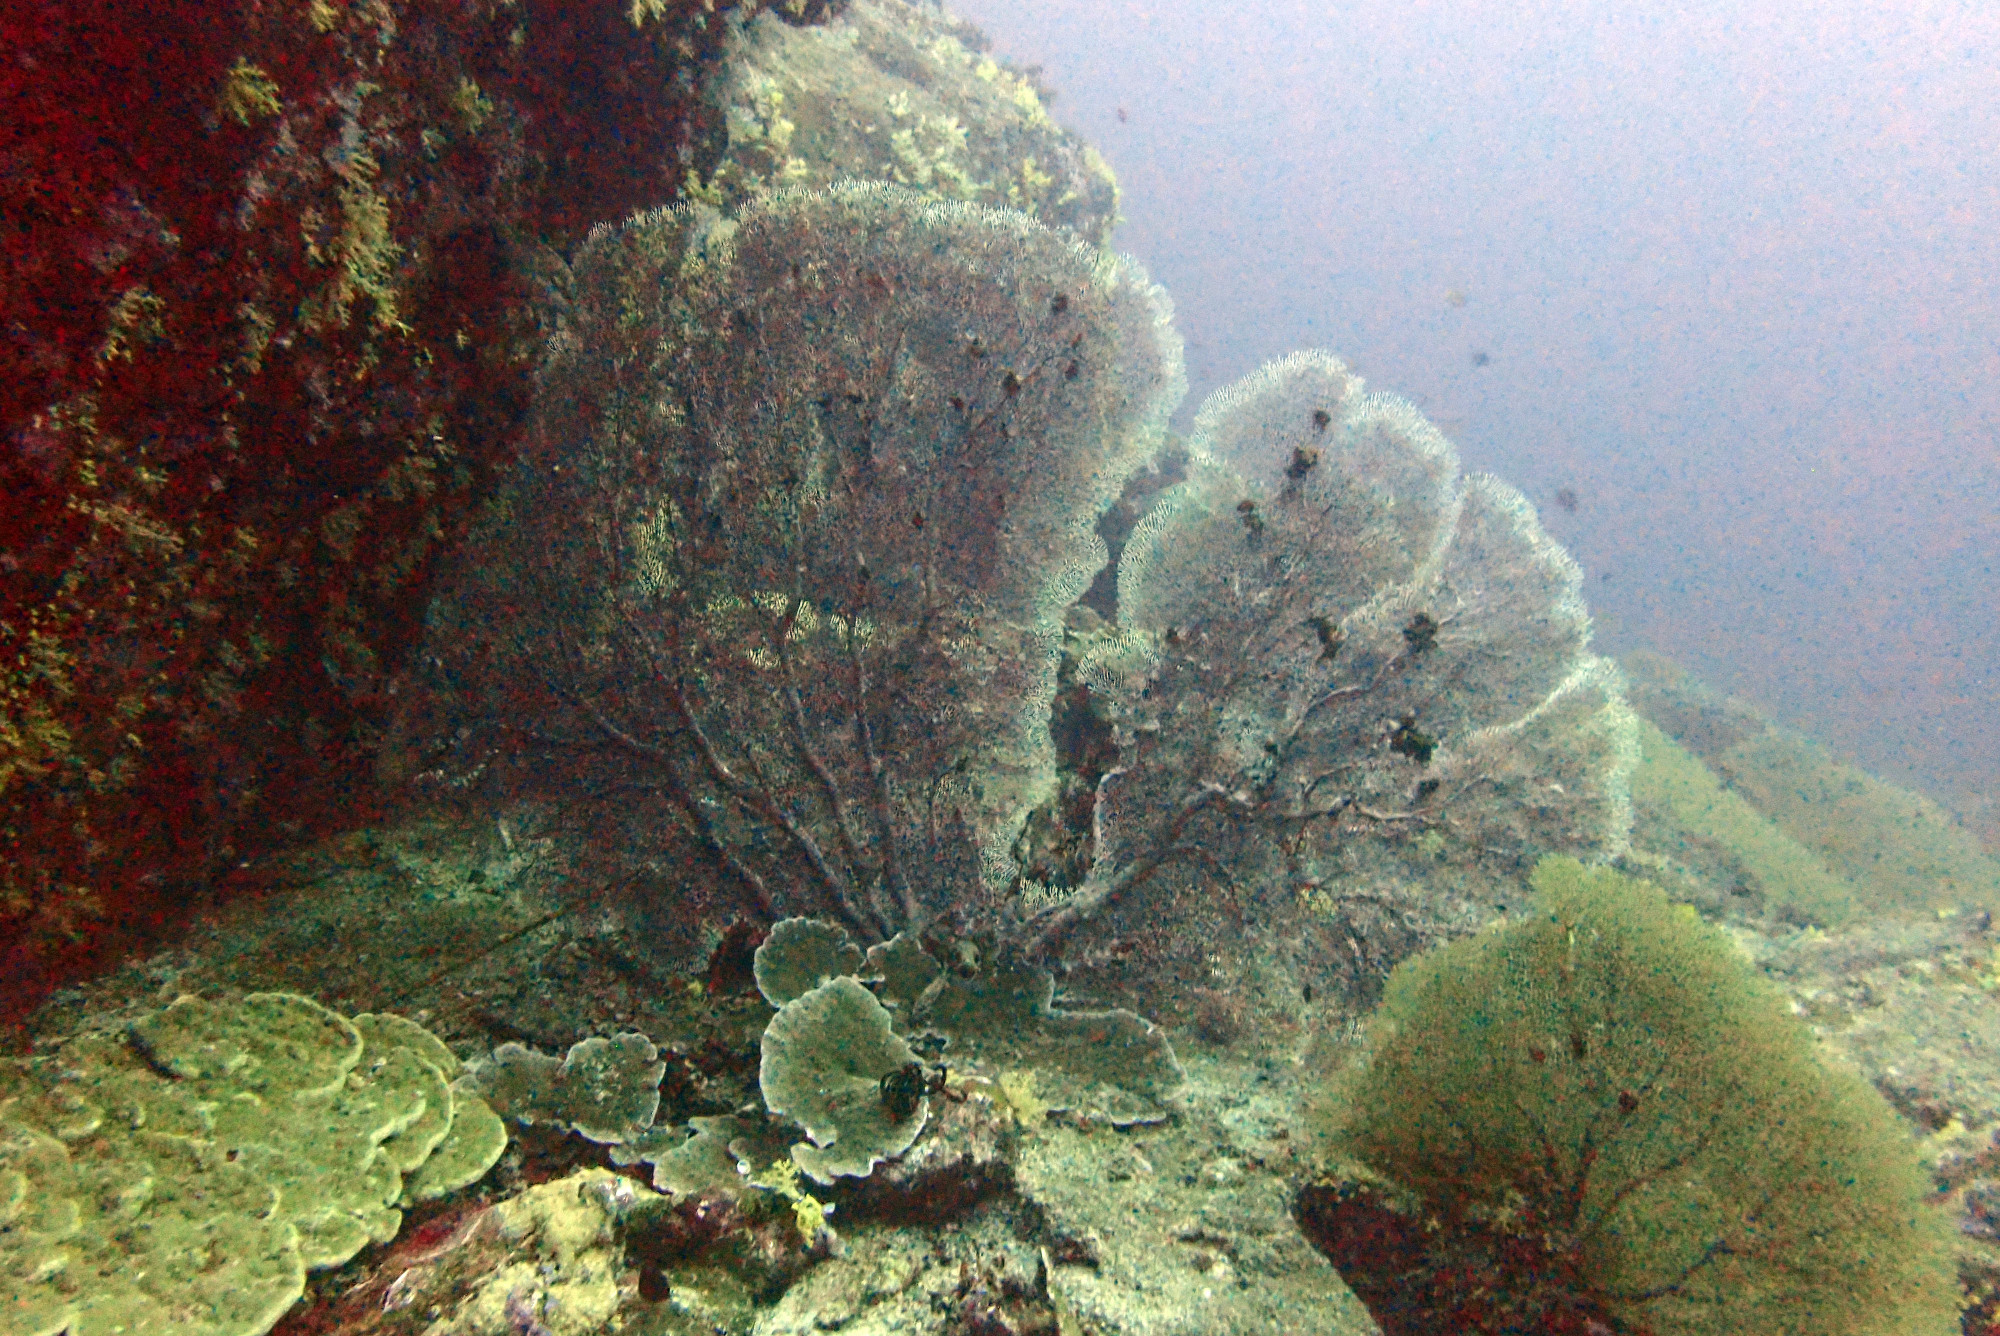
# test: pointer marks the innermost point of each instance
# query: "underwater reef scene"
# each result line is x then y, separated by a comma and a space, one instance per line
859, 826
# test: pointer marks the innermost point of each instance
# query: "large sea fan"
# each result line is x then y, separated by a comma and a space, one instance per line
789, 607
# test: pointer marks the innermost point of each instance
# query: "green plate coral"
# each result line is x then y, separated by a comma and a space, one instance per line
185, 1174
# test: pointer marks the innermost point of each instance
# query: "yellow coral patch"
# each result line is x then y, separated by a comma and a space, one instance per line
248, 94
1017, 1092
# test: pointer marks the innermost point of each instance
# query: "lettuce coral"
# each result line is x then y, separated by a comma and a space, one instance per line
191, 1170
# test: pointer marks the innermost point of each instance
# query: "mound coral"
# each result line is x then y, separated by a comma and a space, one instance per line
887, 90
1600, 1118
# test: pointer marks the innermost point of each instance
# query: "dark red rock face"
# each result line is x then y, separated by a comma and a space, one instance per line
1433, 1278
271, 292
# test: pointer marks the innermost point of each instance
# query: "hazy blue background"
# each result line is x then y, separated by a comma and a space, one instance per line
1733, 265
